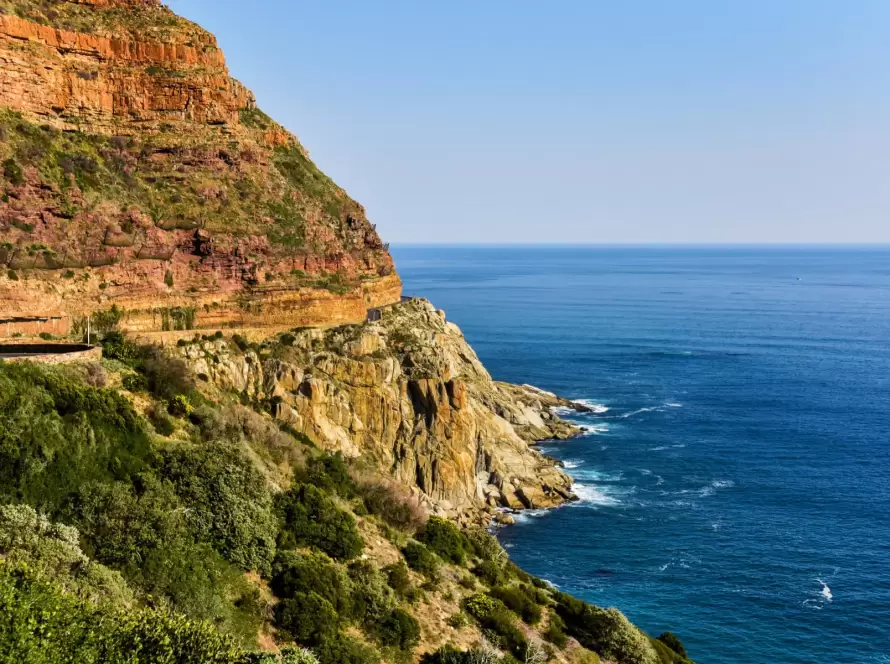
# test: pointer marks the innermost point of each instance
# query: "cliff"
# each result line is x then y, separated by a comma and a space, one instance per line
138, 173
408, 395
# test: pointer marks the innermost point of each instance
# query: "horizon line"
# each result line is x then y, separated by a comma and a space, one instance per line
653, 245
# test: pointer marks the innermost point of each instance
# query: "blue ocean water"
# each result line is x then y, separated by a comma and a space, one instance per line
737, 488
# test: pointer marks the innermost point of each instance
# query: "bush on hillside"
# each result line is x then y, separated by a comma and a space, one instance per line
421, 559
491, 573
605, 631
395, 505
518, 600
673, 642
398, 578
494, 617
398, 629
445, 539
57, 433
487, 547
556, 631
41, 624
312, 573
309, 516
53, 551
229, 501
144, 532
342, 649
372, 598
330, 473
307, 618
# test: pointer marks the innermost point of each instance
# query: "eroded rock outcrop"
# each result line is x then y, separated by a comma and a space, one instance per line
409, 394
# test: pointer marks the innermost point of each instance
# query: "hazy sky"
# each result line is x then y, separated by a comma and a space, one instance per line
583, 120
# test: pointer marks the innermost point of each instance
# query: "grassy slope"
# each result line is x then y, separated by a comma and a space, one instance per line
248, 535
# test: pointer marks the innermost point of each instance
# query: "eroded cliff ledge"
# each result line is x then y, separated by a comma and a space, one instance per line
136, 172
408, 394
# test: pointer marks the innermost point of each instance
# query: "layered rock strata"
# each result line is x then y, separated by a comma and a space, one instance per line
136, 172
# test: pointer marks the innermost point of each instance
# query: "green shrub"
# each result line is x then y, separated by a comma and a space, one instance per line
448, 654
491, 573
481, 606
555, 632
517, 599
134, 382
41, 624
673, 642
606, 631
115, 346
13, 172
372, 598
494, 617
330, 473
458, 620
144, 531
398, 578
486, 546
309, 516
398, 629
179, 406
52, 550
665, 654
12, 275
421, 559
307, 618
287, 339
57, 433
342, 649
162, 423
230, 503
295, 573
445, 539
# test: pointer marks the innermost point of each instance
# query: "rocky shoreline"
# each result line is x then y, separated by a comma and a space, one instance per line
408, 394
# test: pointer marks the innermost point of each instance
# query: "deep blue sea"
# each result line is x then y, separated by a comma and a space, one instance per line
735, 487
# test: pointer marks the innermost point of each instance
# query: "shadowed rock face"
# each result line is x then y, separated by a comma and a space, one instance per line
137, 172
408, 393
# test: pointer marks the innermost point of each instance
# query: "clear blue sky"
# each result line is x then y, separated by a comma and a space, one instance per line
583, 120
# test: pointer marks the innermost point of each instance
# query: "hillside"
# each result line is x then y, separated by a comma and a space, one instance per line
146, 516
137, 172
296, 482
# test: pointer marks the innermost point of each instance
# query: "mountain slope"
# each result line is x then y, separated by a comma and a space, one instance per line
137, 172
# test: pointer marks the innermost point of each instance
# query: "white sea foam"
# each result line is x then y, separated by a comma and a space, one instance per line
538, 389
594, 406
645, 471
591, 495
673, 405
593, 429
597, 475
563, 411
826, 591
711, 489
572, 463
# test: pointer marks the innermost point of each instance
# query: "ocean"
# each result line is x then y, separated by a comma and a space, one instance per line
735, 477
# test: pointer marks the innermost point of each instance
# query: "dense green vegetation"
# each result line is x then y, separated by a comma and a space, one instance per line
173, 536
175, 180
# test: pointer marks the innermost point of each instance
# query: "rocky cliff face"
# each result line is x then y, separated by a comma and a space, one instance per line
137, 172
408, 394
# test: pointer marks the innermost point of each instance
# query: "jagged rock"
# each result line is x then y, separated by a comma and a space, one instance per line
417, 403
